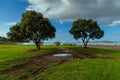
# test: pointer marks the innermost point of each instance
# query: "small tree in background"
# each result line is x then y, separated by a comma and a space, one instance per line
33, 27
57, 43
3, 39
86, 29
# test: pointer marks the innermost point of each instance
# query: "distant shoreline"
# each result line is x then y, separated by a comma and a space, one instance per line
111, 47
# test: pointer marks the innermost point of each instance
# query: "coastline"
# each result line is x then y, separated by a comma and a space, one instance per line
111, 47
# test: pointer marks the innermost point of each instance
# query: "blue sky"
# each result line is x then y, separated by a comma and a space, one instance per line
61, 14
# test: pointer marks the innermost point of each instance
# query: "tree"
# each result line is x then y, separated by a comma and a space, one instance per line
57, 43
3, 39
86, 29
34, 27
15, 34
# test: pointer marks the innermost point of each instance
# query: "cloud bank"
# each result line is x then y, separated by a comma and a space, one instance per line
72, 9
114, 23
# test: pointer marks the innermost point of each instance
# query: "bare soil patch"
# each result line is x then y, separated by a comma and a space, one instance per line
106, 57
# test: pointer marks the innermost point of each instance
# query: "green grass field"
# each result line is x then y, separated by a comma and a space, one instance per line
100, 52
83, 70
13, 52
78, 69
15, 55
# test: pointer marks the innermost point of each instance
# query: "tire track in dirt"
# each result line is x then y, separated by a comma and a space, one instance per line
43, 60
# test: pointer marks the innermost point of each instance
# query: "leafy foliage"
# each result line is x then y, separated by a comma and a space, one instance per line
57, 43
15, 34
3, 39
86, 29
34, 27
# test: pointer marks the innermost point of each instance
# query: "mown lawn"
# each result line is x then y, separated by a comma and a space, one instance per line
15, 55
77, 69
97, 51
88, 69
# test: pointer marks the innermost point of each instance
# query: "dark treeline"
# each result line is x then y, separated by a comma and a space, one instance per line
3, 39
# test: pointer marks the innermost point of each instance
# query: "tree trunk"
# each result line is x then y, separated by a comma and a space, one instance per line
85, 45
37, 45
85, 42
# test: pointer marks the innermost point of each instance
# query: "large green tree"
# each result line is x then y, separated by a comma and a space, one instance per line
34, 27
86, 29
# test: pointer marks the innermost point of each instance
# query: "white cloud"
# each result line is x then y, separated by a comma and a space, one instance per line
10, 23
62, 21
115, 23
72, 9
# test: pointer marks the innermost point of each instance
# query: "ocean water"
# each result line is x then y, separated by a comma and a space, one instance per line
115, 44
80, 43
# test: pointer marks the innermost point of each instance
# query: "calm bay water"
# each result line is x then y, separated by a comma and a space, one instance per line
80, 43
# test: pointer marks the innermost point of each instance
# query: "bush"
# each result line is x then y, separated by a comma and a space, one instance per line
57, 43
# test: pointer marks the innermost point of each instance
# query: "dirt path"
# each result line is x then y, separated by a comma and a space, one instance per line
43, 60
39, 61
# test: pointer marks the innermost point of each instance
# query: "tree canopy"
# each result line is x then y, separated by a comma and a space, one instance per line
34, 27
57, 43
15, 34
86, 29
